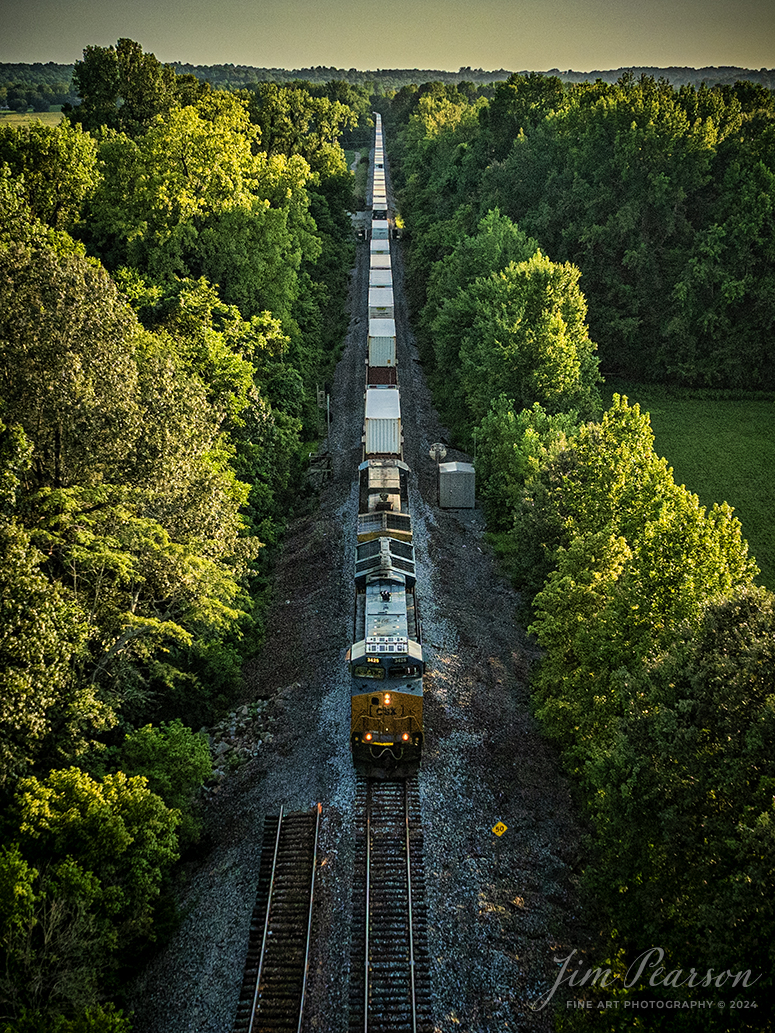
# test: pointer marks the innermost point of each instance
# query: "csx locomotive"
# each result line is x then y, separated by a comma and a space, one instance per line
386, 657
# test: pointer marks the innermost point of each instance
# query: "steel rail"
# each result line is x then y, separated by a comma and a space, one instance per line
410, 914
266, 923
309, 918
368, 891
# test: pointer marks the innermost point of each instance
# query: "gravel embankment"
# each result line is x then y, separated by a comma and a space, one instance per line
500, 911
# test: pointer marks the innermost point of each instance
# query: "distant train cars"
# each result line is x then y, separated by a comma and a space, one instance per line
386, 656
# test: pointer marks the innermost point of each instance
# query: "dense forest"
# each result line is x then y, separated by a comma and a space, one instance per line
51, 83
174, 263
658, 648
37, 86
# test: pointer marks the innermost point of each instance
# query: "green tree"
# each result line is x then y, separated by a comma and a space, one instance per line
56, 167
683, 800
115, 828
79, 885
130, 493
175, 761
496, 243
662, 198
122, 88
521, 333
641, 557
44, 707
293, 121
721, 312
69, 377
513, 448
98, 1018
56, 946
251, 383
191, 198
518, 106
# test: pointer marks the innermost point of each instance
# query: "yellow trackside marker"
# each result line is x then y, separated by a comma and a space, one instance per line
499, 829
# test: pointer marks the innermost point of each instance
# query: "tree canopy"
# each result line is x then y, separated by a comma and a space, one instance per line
173, 274
654, 665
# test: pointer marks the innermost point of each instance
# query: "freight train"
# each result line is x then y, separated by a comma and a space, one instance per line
386, 657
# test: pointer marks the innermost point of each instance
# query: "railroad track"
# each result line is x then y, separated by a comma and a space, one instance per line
274, 984
390, 968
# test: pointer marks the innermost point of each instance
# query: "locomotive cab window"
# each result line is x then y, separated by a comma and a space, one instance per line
369, 672
404, 672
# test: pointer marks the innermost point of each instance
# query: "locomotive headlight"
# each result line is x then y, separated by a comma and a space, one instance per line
405, 736
368, 737
387, 698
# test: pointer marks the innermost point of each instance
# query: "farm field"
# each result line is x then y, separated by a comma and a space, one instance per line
723, 450
48, 118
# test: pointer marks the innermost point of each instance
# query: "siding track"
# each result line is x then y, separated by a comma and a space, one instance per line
274, 984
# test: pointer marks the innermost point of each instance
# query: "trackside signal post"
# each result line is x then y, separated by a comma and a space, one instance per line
437, 453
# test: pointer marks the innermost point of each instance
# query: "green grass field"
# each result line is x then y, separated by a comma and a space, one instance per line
723, 451
48, 118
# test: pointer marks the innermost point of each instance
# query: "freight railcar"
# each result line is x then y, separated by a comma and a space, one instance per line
386, 658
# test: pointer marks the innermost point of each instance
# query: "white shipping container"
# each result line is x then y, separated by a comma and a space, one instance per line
380, 262
380, 247
383, 421
382, 342
380, 277
381, 303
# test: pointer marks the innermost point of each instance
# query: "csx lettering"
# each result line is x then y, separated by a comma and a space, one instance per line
386, 711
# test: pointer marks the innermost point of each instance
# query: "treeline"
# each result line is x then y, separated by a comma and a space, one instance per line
378, 81
658, 649
236, 77
173, 267
38, 86
38, 97
38, 78
676, 75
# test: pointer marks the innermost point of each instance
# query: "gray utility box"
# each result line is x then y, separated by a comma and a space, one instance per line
457, 488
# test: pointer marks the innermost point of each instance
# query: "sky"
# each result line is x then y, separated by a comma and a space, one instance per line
534, 35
